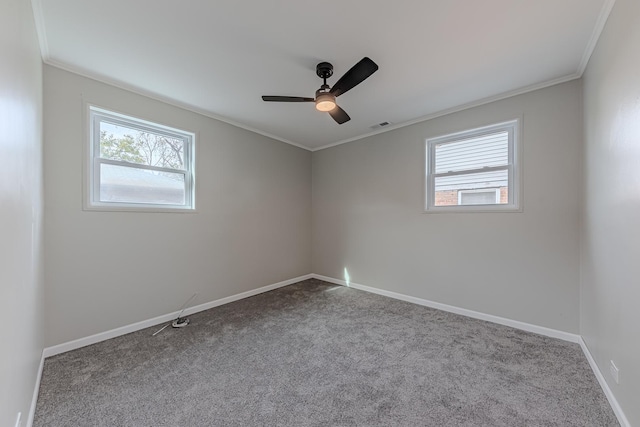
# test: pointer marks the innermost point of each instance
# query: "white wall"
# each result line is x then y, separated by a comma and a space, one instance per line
21, 289
610, 285
368, 217
109, 269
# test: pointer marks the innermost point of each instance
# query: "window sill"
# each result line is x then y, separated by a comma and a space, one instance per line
472, 209
139, 209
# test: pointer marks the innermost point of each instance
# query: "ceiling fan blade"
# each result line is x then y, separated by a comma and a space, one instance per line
339, 115
287, 99
356, 75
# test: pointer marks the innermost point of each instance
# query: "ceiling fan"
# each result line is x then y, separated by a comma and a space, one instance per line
326, 96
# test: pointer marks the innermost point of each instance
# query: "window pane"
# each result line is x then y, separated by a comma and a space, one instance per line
125, 143
480, 197
132, 185
447, 188
473, 153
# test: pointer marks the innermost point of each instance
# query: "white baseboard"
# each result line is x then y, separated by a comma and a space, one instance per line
102, 336
36, 389
622, 419
553, 333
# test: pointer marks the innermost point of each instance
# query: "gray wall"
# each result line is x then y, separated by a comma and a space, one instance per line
110, 269
368, 216
21, 284
254, 198
610, 290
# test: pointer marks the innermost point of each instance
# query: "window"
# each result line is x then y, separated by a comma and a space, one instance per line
138, 165
474, 170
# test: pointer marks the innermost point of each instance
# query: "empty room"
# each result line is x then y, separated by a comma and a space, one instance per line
291, 213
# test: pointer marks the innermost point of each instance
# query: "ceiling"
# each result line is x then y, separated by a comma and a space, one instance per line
217, 57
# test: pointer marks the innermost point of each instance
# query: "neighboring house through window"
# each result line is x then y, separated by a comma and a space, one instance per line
474, 170
138, 165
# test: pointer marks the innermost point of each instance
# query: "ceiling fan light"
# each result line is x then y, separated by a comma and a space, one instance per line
325, 102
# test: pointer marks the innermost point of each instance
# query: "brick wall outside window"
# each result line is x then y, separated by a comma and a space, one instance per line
450, 197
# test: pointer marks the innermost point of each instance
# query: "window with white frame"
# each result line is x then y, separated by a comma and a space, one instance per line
138, 165
474, 170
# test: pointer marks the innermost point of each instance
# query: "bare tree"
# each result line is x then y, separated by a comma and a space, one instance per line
144, 148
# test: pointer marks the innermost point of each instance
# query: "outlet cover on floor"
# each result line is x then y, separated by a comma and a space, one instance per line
615, 373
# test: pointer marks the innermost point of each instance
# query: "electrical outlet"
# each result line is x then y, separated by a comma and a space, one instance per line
615, 372
19, 420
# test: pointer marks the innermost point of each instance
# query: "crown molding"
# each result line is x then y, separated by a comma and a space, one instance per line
601, 21
166, 100
38, 16
595, 35
458, 108
41, 31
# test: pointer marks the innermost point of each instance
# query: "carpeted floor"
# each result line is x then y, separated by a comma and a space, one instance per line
316, 354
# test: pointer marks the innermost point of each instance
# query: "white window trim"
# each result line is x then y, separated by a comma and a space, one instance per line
514, 168
495, 191
92, 163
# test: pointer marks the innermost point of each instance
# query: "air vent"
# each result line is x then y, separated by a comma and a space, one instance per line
380, 125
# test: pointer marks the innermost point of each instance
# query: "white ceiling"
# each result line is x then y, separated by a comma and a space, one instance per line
218, 57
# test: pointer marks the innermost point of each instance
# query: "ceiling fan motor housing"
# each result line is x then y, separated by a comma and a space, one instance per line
324, 70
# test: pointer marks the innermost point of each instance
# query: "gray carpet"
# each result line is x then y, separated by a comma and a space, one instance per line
316, 354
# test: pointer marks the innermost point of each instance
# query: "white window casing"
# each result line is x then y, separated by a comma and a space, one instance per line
137, 165
461, 166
